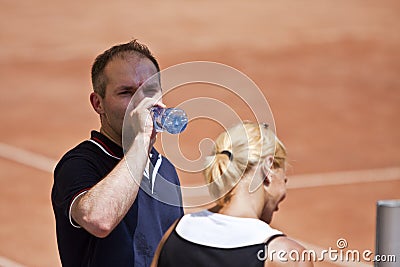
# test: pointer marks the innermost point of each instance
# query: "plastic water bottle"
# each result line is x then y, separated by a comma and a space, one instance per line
172, 120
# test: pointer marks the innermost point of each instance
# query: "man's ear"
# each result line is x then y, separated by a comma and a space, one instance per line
97, 103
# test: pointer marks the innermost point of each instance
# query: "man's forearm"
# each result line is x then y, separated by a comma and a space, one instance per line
103, 207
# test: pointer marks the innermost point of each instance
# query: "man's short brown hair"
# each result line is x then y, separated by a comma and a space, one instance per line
99, 80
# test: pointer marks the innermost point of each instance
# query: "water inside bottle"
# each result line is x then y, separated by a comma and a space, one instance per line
172, 120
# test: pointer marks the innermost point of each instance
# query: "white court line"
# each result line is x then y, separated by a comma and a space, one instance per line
329, 179
27, 158
30, 159
295, 182
343, 178
9, 263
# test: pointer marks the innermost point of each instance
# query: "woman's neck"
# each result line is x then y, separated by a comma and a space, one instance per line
241, 205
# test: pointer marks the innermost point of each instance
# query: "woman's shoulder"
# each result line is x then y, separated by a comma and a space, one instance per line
290, 253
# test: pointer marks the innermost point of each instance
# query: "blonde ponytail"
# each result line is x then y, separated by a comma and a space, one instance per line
236, 151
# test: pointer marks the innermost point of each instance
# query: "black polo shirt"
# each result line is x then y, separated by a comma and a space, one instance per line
134, 241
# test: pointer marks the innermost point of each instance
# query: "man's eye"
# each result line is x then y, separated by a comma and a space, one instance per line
125, 92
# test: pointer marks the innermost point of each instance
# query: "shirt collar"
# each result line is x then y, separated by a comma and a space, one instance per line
114, 149
111, 147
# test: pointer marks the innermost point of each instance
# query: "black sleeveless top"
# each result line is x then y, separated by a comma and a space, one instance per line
178, 251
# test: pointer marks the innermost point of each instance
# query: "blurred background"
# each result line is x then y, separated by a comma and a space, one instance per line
329, 70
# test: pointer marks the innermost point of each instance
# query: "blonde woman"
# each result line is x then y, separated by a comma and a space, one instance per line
246, 173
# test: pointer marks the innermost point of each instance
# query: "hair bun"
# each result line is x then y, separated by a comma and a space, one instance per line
228, 153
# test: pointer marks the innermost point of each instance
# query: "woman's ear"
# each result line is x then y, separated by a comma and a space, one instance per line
97, 103
267, 180
269, 160
268, 169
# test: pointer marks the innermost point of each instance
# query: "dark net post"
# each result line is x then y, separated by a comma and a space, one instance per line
388, 233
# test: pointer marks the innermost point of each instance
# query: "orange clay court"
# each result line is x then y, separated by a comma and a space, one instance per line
329, 69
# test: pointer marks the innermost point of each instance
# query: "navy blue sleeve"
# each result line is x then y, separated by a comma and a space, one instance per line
72, 176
